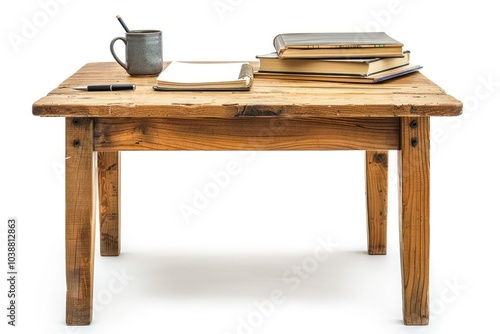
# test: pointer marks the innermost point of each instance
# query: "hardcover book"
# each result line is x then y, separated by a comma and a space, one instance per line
374, 78
337, 45
347, 66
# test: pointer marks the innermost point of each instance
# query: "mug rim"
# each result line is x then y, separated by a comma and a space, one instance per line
144, 31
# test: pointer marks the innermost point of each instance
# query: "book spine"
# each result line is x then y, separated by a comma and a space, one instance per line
279, 44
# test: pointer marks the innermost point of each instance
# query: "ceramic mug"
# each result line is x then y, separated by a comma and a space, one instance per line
143, 52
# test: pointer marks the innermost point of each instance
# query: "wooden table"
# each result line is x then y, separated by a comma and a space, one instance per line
274, 115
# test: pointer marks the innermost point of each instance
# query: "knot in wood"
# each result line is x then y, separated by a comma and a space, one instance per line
381, 158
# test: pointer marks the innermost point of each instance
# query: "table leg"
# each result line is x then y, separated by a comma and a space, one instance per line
80, 220
109, 202
414, 170
376, 200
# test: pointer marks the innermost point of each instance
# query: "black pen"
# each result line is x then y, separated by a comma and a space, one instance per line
105, 88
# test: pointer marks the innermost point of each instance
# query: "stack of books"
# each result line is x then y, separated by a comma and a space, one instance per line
368, 57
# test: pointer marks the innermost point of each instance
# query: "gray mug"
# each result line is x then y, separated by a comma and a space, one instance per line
143, 52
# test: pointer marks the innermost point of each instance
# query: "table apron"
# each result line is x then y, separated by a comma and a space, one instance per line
246, 133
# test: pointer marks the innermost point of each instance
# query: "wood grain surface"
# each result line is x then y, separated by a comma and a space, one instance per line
377, 183
414, 174
411, 95
80, 220
109, 202
255, 133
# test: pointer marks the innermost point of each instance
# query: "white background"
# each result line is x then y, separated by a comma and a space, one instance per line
209, 275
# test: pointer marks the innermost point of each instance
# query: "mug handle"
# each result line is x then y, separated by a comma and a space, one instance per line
111, 47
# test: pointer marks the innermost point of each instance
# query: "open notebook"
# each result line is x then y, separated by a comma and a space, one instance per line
205, 76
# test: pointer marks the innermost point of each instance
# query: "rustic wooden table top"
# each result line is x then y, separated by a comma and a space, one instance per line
411, 95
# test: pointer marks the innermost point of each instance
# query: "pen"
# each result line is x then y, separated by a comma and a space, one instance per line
122, 23
101, 88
